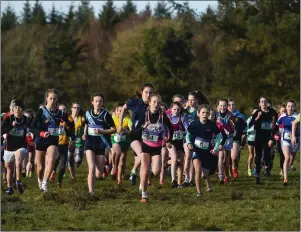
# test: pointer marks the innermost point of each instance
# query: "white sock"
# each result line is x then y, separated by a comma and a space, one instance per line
133, 171
44, 182
144, 195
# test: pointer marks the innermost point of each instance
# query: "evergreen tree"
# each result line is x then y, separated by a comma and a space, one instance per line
38, 14
53, 17
8, 19
127, 9
27, 14
108, 15
161, 10
84, 14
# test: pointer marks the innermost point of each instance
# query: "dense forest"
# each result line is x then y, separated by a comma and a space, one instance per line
241, 49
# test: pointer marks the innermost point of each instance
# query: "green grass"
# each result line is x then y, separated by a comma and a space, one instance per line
240, 205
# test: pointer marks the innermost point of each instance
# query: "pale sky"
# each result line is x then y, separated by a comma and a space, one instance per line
62, 6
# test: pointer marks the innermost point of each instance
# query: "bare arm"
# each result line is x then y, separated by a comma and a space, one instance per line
121, 117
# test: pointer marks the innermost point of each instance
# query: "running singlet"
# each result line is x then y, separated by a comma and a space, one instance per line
138, 108
103, 121
202, 135
63, 138
225, 121
285, 121
178, 127
15, 136
189, 116
265, 126
153, 134
157, 127
126, 125
47, 121
79, 131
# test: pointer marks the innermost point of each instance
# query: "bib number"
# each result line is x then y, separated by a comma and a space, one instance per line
119, 138
78, 140
177, 135
54, 131
150, 138
201, 143
266, 126
19, 132
92, 131
287, 135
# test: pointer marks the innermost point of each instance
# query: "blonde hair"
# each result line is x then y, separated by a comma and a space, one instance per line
55, 91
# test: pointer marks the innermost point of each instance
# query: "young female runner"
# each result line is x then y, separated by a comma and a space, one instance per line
138, 107
46, 128
156, 132
99, 126
199, 137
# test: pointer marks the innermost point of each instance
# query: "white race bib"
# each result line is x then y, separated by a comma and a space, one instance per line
287, 135
119, 138
266, 126
150, 138
200, 143
54, 131
19, 132
178, 135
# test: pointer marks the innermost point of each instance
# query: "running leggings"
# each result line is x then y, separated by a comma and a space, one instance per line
63, 158
262, 149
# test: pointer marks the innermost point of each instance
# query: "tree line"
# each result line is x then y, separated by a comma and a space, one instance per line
241, 49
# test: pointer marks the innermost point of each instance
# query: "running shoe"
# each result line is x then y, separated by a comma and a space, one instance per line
174, 184
44, 188
226, 180
258, 180
235, 172
191, 184
249, 172
209, 189
285, 182
114, 174
133, 178
281, 173
199, 195
10, 191
52, 177
254, 171
267, 172
221, 181
185, 184
144, 200
20, 187
180, 186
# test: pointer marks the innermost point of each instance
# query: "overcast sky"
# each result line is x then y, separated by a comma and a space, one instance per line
198, 6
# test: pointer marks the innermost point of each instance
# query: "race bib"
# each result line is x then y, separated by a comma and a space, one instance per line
177, 135
287, 135
150, 138
78, 140
266, 126
54, 131
119, 138
19, 132
201, 143
62, 130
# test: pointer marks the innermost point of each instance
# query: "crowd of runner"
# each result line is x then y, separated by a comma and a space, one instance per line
190, 139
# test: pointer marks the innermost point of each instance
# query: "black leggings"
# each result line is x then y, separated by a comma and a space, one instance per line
262, 148
63, 158
281, 155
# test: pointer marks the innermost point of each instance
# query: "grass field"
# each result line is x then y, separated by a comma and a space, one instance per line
239, 205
